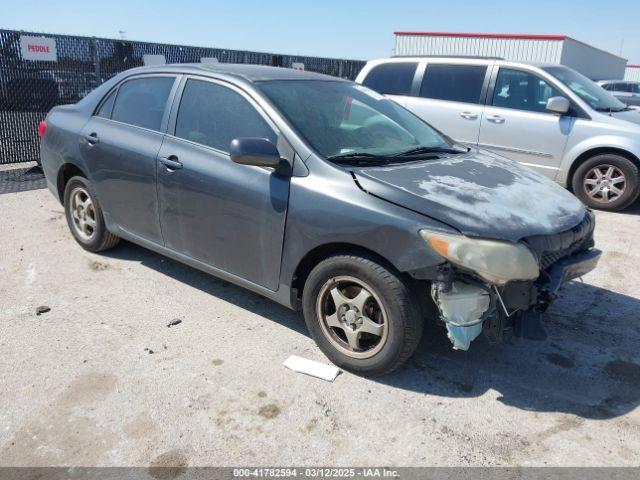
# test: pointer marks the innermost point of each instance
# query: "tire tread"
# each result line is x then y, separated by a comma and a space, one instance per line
400, 289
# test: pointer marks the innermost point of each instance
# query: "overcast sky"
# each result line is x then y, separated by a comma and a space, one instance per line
349, 29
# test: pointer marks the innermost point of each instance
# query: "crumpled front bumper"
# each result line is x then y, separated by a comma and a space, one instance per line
469, 307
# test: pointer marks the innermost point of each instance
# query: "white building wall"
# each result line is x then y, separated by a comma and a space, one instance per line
592, 62
632, 73
512, 49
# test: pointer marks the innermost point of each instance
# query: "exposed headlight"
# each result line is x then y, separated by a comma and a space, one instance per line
496, 261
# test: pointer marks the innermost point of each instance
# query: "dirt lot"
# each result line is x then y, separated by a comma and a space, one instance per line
101, 380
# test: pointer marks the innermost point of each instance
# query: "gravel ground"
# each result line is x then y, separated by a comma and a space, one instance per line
101, 380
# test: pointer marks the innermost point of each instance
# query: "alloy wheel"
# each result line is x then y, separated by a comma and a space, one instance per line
83, 213
605, 183
352, 317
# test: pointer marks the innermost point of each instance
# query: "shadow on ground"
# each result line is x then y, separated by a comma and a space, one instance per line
587, 367
209, 284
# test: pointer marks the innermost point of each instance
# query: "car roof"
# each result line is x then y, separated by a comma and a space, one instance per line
246, 72
463, 59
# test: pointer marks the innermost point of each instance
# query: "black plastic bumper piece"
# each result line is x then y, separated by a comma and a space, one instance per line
572, 267
529, 323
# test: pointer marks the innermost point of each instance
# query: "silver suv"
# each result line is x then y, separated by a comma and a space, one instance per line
548, 117
625, 91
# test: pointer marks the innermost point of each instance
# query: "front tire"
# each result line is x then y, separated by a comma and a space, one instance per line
607, 182
84, 216
364, 316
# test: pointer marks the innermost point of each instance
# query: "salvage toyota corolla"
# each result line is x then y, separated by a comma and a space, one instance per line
320, 194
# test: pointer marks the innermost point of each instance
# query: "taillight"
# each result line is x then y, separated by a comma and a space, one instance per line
42, 128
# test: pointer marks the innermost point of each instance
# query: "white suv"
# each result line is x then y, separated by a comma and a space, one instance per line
548, 117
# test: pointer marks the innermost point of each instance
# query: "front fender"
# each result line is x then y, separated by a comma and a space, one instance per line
326, 211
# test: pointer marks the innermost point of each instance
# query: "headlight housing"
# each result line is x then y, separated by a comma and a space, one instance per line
495, 261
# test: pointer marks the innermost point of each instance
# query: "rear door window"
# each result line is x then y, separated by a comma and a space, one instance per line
393, 78
213, 115
142, 101
455, 83
522, 91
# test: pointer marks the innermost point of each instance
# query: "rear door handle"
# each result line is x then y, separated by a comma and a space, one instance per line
92, 138
171, 162
469, 115
495, 119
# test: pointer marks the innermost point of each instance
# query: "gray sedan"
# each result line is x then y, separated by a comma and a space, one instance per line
320, 194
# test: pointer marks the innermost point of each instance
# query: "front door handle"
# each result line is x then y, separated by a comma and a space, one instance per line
495, 119
92, 138
469, 115
171, 162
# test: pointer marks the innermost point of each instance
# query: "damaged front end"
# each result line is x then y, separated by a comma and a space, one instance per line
493, 287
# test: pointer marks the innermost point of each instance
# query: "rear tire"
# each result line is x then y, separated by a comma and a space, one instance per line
607, 182
364, 316
84, 216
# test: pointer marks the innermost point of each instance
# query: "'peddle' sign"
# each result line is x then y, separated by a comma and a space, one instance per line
38, 48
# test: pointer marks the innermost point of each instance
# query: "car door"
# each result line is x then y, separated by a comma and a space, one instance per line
622, 91
226, 215
516, 124
451, 98
628, 93
120, 144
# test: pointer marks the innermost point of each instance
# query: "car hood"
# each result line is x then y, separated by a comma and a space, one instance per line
632, 115
478, 194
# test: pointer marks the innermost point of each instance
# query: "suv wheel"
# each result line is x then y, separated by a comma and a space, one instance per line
607, 182
363, 316
84, 216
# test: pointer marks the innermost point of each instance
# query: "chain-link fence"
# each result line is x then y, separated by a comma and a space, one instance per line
38, 71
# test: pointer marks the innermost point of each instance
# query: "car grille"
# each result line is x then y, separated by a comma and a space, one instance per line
552, 248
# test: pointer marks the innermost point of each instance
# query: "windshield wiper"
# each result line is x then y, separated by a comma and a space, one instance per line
359, 158
429, 150
611, 110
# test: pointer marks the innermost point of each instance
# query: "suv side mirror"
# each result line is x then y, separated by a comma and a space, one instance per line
558, 105
254, 151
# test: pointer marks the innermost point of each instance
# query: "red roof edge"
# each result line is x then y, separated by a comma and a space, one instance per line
633, 66
519, 36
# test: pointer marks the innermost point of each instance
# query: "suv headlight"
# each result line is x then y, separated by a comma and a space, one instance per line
494, 260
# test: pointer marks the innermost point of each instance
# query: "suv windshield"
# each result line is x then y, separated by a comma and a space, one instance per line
596, 96
343, 119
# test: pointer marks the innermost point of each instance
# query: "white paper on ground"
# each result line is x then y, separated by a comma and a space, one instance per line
310, 367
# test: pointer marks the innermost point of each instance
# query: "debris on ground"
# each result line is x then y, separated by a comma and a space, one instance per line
174, 322
149, 351
310, 367
42, 309
269, 411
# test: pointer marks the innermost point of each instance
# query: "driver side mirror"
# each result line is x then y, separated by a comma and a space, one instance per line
558, 105
259, 152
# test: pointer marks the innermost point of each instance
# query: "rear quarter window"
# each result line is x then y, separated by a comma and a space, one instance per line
391, 78
107, 106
